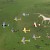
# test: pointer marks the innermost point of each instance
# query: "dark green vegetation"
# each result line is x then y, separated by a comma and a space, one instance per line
11, 8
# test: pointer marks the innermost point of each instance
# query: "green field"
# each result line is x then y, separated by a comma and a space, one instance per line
12, 40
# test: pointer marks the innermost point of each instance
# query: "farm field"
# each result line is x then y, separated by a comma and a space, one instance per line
9, 9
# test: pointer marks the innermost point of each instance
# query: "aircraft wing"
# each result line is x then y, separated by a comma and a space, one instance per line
15, 19
23, 40
3, 24
34, 37
24, 30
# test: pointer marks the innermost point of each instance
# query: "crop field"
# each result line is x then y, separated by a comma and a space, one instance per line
10, 39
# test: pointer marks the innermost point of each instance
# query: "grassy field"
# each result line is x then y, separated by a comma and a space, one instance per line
12, 40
